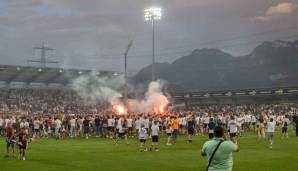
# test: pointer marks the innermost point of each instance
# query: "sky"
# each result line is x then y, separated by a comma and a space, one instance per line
93, 34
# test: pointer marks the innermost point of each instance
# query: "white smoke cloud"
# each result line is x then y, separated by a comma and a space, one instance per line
95, 89
154, 100
281, 9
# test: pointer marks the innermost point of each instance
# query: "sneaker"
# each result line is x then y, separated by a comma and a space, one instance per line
169, 144
145, 149
24, 158
156, 150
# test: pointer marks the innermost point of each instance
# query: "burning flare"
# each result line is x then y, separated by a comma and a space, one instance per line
119, 109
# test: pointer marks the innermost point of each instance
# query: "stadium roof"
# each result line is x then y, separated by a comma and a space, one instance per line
11, 73
232, 93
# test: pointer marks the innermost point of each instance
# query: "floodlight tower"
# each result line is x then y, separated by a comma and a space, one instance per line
125, 67
151, 15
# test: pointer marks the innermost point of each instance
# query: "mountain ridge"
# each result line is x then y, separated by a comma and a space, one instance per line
271, 64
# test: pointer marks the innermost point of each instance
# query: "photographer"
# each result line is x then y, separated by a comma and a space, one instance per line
219, 151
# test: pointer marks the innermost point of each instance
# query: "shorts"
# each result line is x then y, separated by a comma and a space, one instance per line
182, 126
36, 130
121, 135
270, 135
191, 131
169, 134
57, 131
211, 135
86, 129
205, 125
110, 128
22, 145
10, 143
174, 134
154, 138
142, 140
234, 134
284, 130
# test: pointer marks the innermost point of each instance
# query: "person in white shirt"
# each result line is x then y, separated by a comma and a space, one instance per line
120, 131
240, 122
253, 121
24, 124
270, 130
57, 128
2, 130
7, 121
198, 125
233, 126
119, 124
146, 124
182, 124
111, 127
137, 125
143, 135
129, 126
72, 123
205, 123
36, 125
154, 136
169, 134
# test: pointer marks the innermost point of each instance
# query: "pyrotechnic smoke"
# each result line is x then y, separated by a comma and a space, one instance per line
94, 89
154, 100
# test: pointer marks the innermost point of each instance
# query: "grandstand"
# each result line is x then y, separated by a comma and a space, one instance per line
242, 96
25, 76
12, 76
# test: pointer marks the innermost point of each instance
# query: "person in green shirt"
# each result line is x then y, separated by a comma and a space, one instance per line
222, 159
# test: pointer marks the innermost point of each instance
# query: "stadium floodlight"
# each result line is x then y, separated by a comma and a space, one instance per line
152, 14
80, 72
39, 70
18, 68
60, 70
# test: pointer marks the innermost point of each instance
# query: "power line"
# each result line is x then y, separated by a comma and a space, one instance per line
43, 60
212, 42
189, 51
166, 51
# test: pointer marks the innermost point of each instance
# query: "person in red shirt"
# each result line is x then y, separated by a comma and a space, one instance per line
22, 142
10, 140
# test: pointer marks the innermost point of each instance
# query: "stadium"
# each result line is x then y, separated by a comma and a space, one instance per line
227, 103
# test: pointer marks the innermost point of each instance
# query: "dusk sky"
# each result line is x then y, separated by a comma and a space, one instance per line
93, 34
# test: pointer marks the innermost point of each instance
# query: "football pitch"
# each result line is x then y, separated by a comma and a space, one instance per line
102, 154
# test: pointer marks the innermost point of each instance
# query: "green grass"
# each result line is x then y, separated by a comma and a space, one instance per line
102, 154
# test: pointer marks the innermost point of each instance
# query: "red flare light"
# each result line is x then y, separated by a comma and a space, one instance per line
161, 109
120, 110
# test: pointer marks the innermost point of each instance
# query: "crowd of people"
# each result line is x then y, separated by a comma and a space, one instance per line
58, 115
143, 126
43, 101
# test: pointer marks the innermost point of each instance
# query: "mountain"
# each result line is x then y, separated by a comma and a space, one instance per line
271, 64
